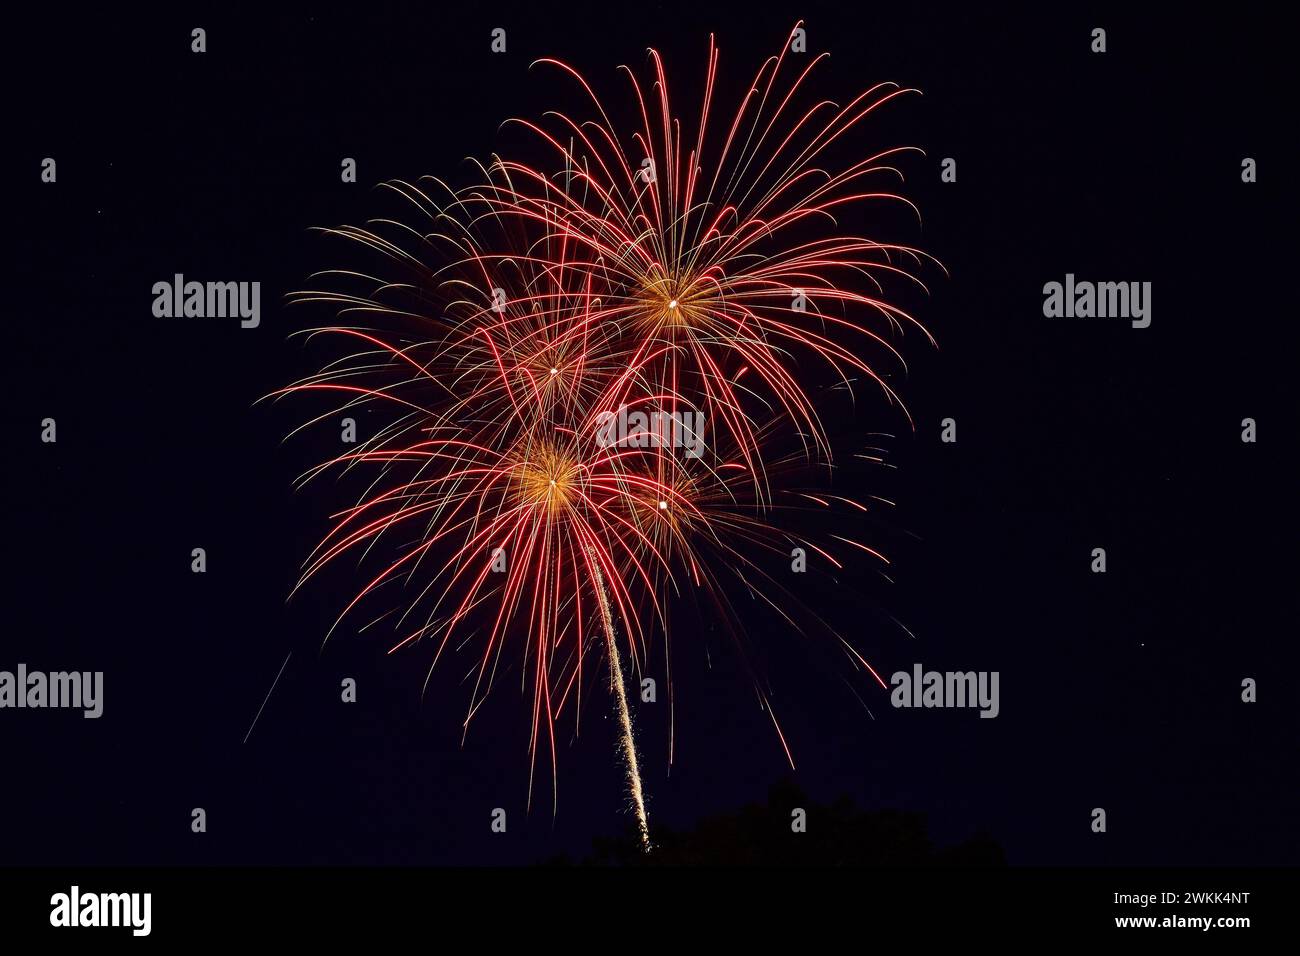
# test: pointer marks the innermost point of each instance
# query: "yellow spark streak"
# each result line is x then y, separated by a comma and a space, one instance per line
624, 715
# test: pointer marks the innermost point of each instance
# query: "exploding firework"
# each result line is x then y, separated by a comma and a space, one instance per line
512, 320
720, 249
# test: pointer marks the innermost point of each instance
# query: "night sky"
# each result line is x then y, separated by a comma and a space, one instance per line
1119, 690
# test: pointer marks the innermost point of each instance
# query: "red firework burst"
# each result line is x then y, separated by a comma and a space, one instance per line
648, 269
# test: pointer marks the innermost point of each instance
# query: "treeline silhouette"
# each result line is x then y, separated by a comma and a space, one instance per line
837, 834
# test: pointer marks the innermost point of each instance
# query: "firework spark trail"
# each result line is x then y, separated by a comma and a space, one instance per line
624, 715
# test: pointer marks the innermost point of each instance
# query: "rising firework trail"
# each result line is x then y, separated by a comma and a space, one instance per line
627, 739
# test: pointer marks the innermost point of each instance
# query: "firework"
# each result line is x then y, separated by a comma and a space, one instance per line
721, 249
511, 321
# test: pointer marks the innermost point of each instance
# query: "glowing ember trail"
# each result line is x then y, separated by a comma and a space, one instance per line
624, 715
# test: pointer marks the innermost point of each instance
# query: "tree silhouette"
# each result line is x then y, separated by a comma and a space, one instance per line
837, 834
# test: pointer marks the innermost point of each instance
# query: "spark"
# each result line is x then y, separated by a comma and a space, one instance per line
268, 696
